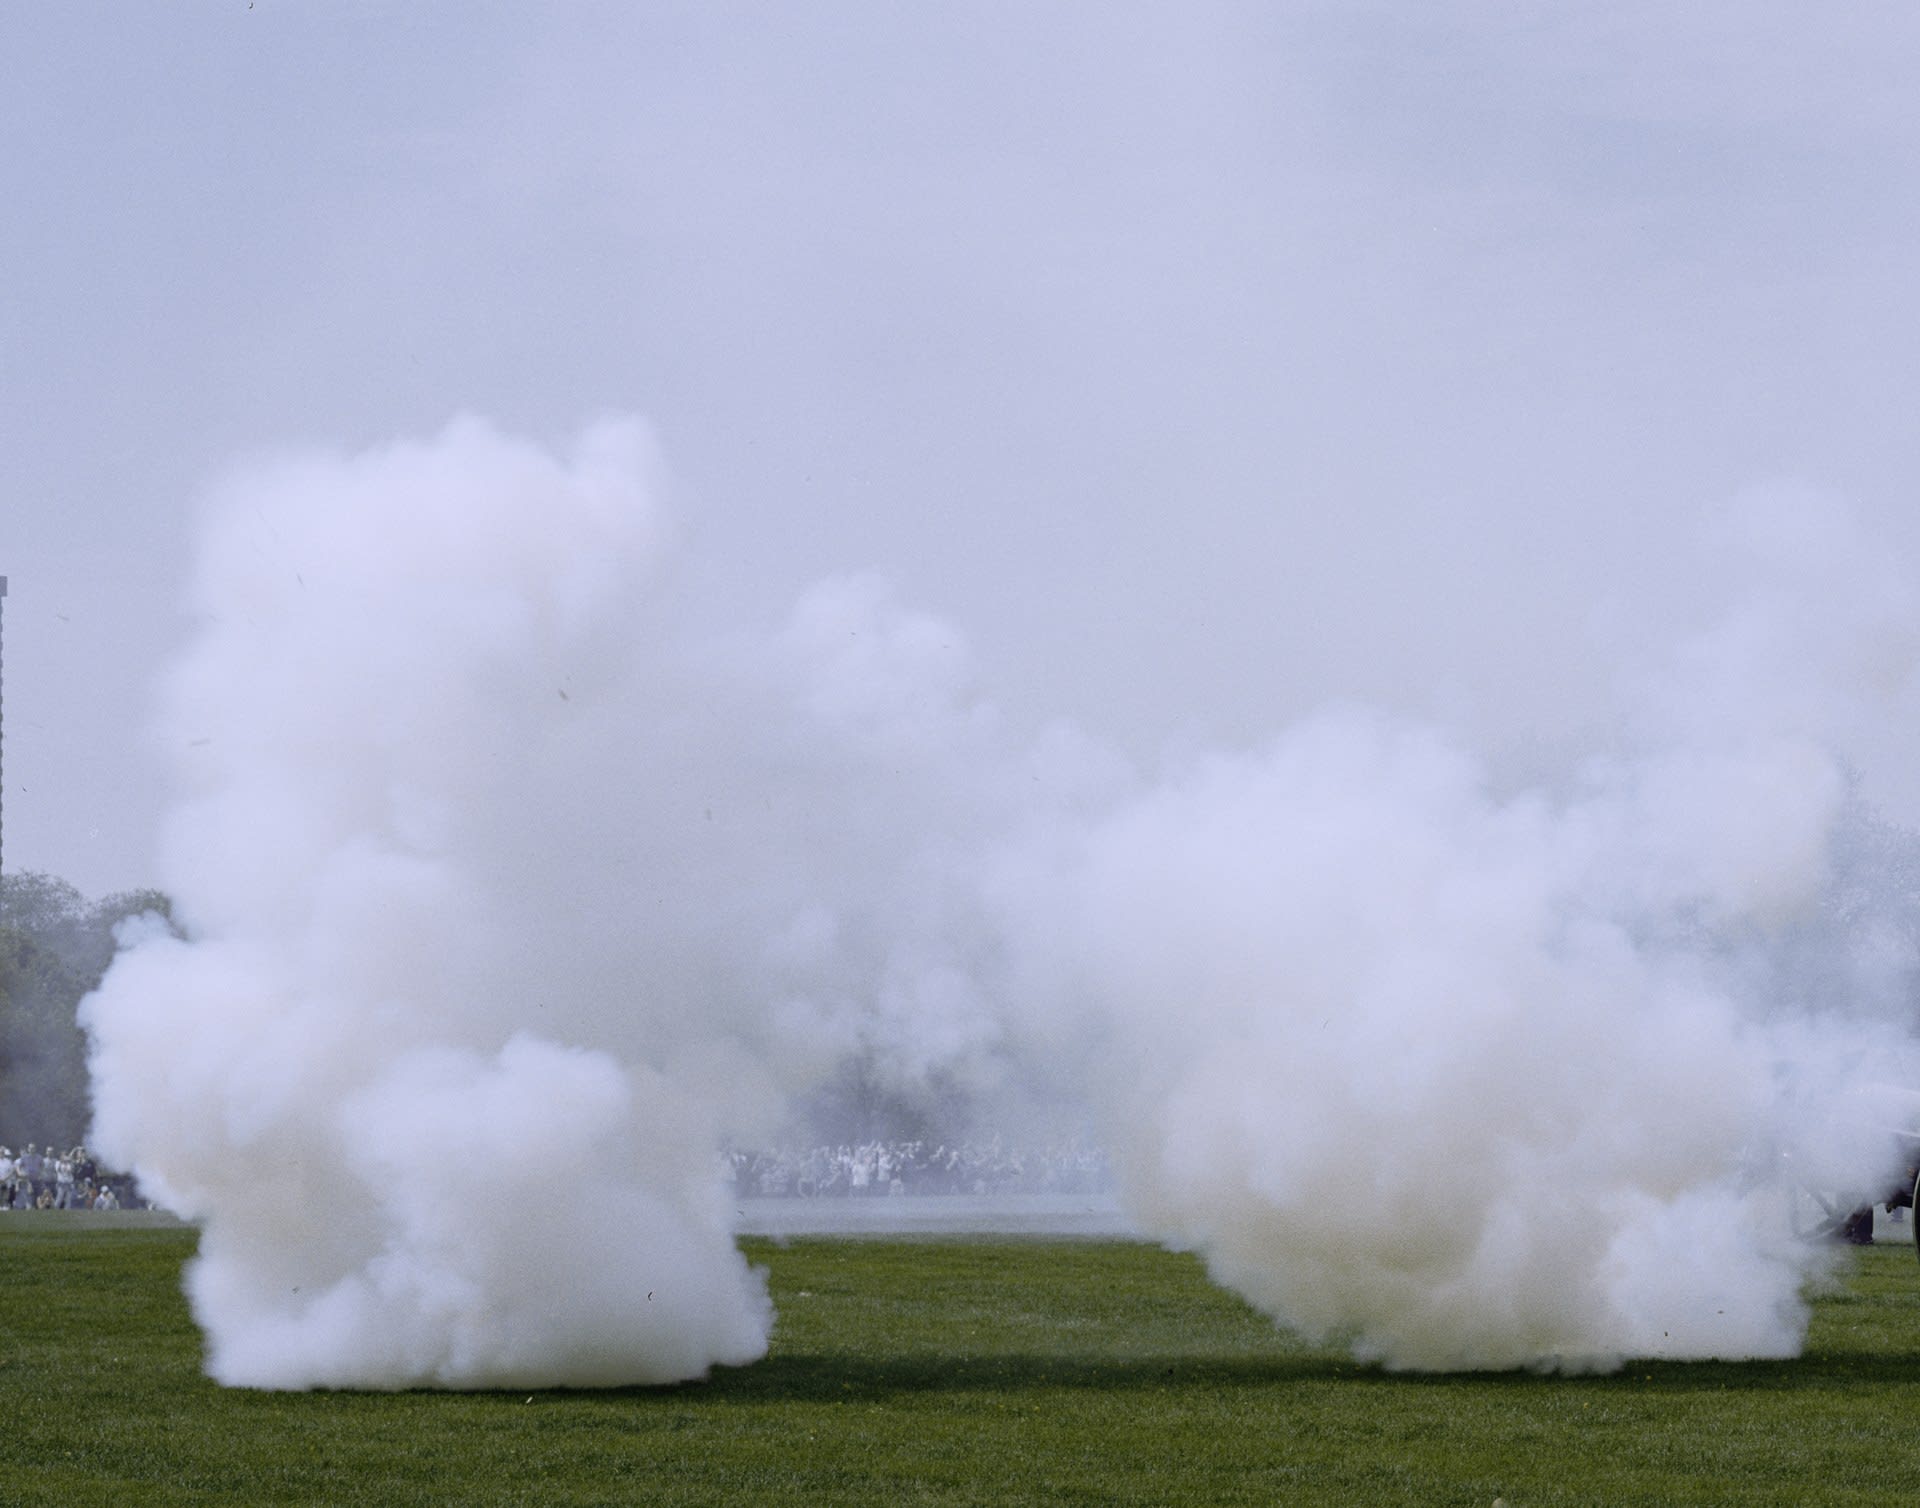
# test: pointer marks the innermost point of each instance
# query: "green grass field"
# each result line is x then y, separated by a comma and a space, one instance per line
948, 1371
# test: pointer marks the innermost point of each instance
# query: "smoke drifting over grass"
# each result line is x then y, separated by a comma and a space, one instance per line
515, 890
511, 898
1471, 1081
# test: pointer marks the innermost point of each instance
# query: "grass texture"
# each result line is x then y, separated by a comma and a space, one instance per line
945, 1371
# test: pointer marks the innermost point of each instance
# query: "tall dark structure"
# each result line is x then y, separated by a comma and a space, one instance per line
3, 723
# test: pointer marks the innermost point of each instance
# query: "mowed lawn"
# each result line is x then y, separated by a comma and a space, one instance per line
945, 1371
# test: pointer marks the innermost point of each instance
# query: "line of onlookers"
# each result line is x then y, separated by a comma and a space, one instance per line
49, 1179
39, 1178
921, 1167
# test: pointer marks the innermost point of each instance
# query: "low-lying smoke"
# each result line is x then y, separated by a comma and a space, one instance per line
511, 899
1467, 1082
514, 893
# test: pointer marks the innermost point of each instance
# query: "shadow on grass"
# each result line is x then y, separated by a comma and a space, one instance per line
836, 1378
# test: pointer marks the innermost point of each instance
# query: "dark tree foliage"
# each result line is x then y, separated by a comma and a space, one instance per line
859, 1105
55, 945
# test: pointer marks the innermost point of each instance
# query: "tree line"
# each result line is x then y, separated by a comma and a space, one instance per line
55, 944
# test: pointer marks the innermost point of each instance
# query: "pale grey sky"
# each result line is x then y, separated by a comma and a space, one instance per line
1201, 363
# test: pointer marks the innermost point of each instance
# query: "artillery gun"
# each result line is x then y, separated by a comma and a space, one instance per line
1818, 1210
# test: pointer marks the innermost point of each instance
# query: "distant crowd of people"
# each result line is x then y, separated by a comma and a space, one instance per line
880, 1168
48, 1179
36, 1179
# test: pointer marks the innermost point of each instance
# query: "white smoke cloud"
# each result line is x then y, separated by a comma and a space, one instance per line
1461, 1080
514, 892
511, 897
1477, 1080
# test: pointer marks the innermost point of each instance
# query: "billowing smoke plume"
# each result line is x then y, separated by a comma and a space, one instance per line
1472, 1078
512, 898
514, 892
1472, 1082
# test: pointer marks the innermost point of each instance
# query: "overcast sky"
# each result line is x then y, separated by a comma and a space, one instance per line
1202, 363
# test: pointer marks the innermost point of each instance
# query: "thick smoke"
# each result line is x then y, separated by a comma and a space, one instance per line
1472, 1078
1469, 1082
516, 890
512, 897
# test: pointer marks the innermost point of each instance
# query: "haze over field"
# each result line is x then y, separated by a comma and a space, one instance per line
516, 891
1204, 369
1329, 587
